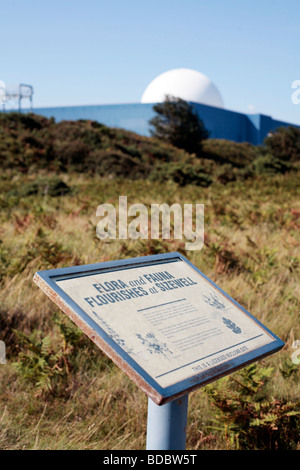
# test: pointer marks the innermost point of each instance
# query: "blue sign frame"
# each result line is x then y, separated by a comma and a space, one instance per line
47, 281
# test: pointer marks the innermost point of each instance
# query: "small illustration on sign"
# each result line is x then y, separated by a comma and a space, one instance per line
154, 346
113, 334
213, 301
232, 326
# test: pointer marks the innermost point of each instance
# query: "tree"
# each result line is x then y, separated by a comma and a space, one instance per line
178, 123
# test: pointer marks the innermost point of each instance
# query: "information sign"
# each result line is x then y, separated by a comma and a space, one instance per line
161, 320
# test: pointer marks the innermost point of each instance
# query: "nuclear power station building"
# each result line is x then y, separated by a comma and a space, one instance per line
187, 84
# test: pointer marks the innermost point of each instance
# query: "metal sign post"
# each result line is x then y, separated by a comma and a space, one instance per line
166, 325
166, 425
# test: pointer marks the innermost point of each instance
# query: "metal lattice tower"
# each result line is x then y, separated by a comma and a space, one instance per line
18, 93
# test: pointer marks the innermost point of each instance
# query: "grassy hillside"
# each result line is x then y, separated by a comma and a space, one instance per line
31, 143
57, 390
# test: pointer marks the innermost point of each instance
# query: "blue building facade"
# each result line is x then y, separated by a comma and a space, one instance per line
221, 123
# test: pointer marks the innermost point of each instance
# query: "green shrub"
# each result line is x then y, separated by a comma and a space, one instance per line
28, 121
117, 164
229, 152
225, 173
248, 418
284, 143
270, 164
46, 361
52, 186
71, 153
182, 173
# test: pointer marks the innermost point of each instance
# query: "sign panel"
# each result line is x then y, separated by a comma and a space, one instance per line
161, 320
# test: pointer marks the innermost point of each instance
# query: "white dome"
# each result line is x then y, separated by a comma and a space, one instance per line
187, 84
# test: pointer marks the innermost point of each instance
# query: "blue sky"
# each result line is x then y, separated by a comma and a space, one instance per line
101, 52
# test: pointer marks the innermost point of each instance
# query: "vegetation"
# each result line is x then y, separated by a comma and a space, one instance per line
57, 389
284, 144
178, 124
30, 143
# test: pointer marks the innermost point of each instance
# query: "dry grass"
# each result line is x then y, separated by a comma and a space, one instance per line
251, 251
